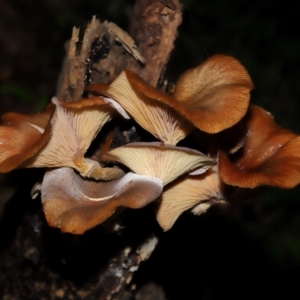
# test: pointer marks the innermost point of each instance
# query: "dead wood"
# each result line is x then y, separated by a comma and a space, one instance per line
154, 28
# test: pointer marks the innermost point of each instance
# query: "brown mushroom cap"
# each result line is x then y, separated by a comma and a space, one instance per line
144, 104
76, 205
218, 90
74, 126
270, 155
22, 136
155, 159
186, 192
213, 96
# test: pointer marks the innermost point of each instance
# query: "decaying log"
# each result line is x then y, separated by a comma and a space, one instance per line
153, 28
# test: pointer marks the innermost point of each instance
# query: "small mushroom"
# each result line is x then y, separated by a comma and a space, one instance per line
76, 205
269, 156
144, 104
166, 162
73, 127
187, 192
22, 136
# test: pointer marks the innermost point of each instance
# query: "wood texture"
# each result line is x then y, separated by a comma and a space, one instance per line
154, 28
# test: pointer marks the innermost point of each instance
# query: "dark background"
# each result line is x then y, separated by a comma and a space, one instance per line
248, 250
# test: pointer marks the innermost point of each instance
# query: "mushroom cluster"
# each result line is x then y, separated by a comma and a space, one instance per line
223, 141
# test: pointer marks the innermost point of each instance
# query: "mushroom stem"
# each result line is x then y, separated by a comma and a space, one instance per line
94, 170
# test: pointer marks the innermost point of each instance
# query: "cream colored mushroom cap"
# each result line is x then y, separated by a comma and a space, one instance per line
159, 160
161, 120
185, 193
74, 126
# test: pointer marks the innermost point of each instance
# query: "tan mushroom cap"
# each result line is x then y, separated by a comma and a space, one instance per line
185, 193
144, 104
218, 90
166, 162
22, 136
74, 126
76, 205
270, 155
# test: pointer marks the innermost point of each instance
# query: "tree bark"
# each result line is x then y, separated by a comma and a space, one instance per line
154, 28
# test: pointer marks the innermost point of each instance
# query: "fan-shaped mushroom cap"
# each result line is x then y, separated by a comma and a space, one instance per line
213, 96
144, 104
270, 155
22, 136
76, 205
218, 90
155, 159
74, 126
186, 192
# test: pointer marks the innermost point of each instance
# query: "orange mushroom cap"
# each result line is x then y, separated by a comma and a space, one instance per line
76, 205
22, 136
270, 155
214, 95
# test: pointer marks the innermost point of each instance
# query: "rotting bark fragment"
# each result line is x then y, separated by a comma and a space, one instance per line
78, 59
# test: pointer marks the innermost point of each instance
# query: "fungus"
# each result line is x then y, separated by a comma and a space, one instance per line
218, 90
269, 156
22, 136
202, 95
187, 192
74, 126
76, 205
166, 162
144, 104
